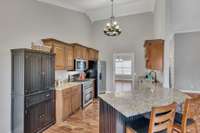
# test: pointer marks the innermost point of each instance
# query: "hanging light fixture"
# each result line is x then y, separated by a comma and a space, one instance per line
112, 28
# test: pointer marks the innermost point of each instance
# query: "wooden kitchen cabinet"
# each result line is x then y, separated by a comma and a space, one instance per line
69, 57
77, 52
59, 50
76, 98
93, 54
67, 106
80, 52
154, 54
66, 53
67, 102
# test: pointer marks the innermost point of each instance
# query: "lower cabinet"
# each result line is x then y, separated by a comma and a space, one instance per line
68, 101
39, 112
76, 98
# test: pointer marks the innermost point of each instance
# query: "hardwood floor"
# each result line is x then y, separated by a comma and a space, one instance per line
83, 121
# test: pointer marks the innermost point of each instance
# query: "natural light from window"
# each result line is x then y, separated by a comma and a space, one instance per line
123, 67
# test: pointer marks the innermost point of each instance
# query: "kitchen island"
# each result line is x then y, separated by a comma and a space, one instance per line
118, 108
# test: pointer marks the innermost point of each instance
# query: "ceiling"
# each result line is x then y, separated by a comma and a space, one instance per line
100, 9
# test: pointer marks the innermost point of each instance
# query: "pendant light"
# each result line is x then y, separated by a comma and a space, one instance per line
112, 28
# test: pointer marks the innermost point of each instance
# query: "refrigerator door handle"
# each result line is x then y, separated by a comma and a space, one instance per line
100, 76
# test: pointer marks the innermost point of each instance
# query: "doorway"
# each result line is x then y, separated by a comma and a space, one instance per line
123, 71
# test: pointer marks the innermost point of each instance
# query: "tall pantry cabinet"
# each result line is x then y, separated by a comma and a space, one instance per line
33, 96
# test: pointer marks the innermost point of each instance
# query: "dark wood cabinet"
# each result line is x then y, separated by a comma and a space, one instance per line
39, 116
33, 72
33, 96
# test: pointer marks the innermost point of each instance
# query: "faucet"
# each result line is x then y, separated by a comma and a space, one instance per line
155, 76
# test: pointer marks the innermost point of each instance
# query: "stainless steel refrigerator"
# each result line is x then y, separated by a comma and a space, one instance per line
101, 77
97, 70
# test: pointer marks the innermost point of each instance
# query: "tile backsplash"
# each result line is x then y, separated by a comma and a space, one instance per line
61, 75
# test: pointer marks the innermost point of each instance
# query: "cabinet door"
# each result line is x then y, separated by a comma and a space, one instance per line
69, 56
76, 98
85, 53
47, 71
154, 54
78, 52
39, 116
33, 72
59, 50
67, 109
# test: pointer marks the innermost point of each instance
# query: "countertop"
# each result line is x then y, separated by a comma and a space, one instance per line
140, 100
69, 85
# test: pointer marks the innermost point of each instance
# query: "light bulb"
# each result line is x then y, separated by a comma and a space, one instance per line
115, 22
108, 24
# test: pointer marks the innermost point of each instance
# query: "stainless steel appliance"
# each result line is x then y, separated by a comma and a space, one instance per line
101, 77
97, 70
80, 65
87, 89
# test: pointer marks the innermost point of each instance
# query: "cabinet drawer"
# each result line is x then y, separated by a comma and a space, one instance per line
38, 98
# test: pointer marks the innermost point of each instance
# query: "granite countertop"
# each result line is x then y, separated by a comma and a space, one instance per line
67, 85
70, 84
140, 100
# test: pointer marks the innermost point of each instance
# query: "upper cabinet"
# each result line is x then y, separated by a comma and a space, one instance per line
93, 54
154, 54
80, 52
69, 57
66, 53
59, 50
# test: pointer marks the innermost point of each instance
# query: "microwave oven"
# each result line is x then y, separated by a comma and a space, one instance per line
80, 65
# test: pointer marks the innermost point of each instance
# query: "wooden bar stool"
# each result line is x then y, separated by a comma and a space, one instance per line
161, 121
187, 122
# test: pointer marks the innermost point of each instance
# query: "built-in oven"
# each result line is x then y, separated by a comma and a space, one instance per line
87, 93
80, 65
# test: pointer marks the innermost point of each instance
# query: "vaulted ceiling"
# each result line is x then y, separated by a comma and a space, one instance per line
100, 9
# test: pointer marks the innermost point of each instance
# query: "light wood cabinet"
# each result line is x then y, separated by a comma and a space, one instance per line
67, 108
68, 101
93, 54
69, 57
66, 53
80, 52
76, 99
59, 50
154, 54
77, 52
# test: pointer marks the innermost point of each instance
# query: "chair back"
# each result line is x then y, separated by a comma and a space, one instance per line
162, 118
191, 111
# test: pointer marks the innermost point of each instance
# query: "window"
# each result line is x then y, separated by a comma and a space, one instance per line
123, 67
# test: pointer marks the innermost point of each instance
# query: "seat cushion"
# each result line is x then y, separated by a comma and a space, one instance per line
178, 120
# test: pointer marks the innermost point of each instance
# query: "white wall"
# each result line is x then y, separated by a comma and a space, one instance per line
185, 15
182, 16
135, 30
24, 21
163, 30
187, 62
